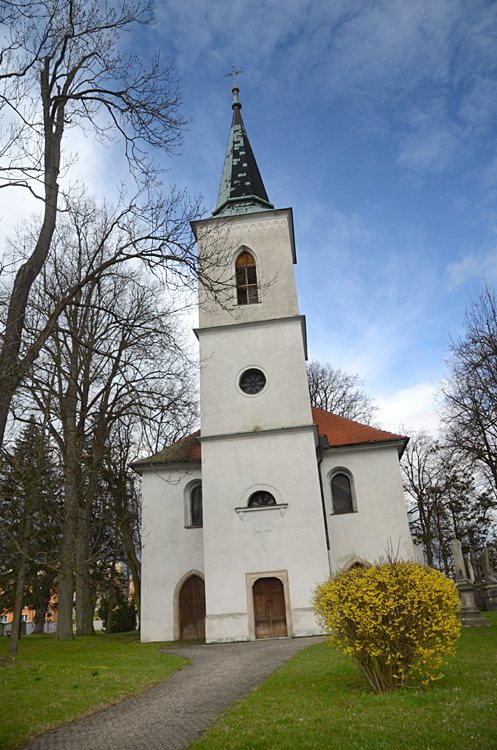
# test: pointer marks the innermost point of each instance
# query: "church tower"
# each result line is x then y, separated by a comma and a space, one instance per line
244, 517
264, 535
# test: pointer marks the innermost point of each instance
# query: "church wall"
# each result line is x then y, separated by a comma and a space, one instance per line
275, 347
237, 543
380, 522
169, 550
269, 237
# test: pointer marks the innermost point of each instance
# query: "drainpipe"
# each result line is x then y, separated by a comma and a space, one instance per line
325, 520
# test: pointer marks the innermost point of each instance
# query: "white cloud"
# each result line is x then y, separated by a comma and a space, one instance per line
477, 265
429, 144
410, 406
428, 66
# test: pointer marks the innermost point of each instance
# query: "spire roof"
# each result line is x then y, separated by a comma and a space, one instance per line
242, 189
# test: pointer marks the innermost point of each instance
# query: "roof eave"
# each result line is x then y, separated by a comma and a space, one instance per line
400, 443
140, 466
258, 203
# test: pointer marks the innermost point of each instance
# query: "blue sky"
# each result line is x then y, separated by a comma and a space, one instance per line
377, 122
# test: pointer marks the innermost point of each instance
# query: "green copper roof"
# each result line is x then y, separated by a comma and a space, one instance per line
242, 190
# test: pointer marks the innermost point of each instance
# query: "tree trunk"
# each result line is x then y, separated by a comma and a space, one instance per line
133, 562
66, 577
39, 620
427, 539
21, 577
84, 598
112, 589
12, 370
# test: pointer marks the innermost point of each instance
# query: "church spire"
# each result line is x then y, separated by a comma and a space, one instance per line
242, 190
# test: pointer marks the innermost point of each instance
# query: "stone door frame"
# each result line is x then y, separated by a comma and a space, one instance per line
250, 579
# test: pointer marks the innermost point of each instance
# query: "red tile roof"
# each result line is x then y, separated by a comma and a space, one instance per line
184, 450
339, 432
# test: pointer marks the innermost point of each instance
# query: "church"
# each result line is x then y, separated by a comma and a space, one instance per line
242, 519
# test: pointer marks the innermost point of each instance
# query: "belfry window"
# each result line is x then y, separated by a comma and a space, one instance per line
196, 505
246, 279
341, 492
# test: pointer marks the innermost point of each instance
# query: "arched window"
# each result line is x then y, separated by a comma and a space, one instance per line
260, 499
341, 492
196, 505
246, 279
356, 563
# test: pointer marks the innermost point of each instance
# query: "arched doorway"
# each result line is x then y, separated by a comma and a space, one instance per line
269, 608
192, 609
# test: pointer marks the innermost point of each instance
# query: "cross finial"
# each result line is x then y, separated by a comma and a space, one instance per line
234, 73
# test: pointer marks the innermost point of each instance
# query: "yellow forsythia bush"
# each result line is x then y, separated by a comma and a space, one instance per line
394, 618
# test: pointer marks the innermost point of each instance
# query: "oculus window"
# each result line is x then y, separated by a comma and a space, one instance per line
246, 279
252, 381
341, 492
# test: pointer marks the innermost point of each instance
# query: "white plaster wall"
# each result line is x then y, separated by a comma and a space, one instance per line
275, 347
380, 522
265, 540
169, 550
268, 236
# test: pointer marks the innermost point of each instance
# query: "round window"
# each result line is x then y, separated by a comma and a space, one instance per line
252, 381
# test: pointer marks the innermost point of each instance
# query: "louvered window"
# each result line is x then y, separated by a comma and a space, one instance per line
246, 279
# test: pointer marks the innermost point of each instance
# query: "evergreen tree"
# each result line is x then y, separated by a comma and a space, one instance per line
30, 504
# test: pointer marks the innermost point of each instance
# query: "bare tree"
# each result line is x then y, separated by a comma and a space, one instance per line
113, 357
338, 392
446, 499
469, 396
424, 486
121, 487
61, 68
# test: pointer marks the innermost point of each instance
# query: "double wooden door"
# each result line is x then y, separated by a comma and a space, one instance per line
192, 609
269, 608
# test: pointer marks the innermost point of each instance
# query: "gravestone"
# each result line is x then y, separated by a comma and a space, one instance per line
489, 588
470, 615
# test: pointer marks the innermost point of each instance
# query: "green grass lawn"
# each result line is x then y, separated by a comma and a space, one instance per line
54, 682
319, 699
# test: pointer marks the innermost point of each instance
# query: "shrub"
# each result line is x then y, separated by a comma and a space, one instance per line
124, 613
394, 618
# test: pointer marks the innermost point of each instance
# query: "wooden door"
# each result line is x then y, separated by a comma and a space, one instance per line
269, 608
192, 609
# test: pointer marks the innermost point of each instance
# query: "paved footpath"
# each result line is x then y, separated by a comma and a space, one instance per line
180, 708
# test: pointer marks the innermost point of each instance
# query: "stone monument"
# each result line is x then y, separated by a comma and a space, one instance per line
489, 587
470, 614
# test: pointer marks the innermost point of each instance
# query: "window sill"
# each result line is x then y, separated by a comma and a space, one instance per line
281, 507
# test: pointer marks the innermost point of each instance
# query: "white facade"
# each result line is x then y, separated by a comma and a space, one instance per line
171, 549
267, 441
248, 571
379, 523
